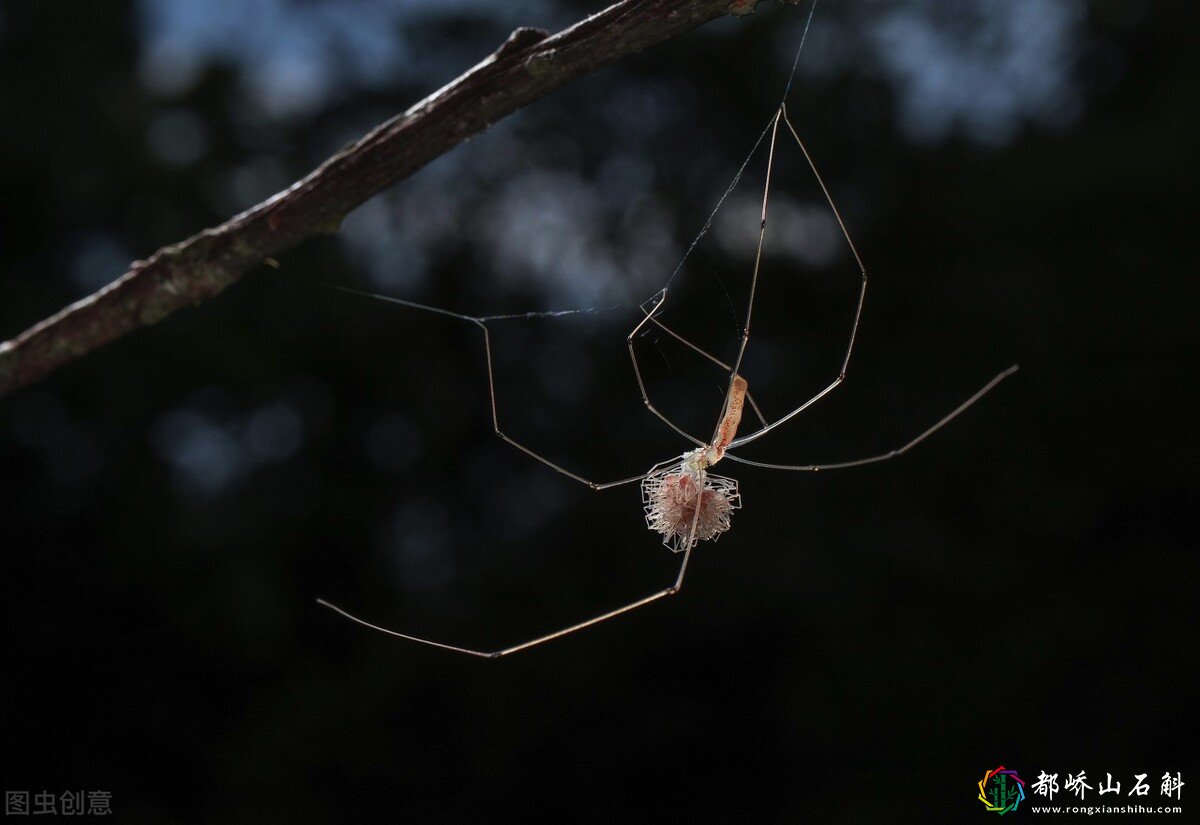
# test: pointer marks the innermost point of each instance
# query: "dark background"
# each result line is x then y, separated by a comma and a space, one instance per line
1020, 590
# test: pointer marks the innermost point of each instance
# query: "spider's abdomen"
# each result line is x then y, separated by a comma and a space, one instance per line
685, 506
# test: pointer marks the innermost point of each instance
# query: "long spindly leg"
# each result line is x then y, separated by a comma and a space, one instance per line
862, 295
481, 323
648, 316
714, 359
762, 233
671, 590
652, 317
946, 419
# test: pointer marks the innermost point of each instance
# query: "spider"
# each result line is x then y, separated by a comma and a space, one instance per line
684, 501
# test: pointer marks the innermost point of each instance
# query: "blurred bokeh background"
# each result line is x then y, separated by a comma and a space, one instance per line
1020, 178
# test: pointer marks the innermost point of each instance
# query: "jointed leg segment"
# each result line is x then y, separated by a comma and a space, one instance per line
481, 323
862, 290
943, 421
496, 654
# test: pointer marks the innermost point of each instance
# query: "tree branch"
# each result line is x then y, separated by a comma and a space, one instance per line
528, 66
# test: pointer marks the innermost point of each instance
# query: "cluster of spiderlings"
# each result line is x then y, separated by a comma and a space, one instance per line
672, 496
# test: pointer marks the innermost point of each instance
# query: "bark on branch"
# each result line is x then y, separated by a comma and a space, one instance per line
528, 66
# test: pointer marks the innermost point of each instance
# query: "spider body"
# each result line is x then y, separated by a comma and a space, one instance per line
684, 502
